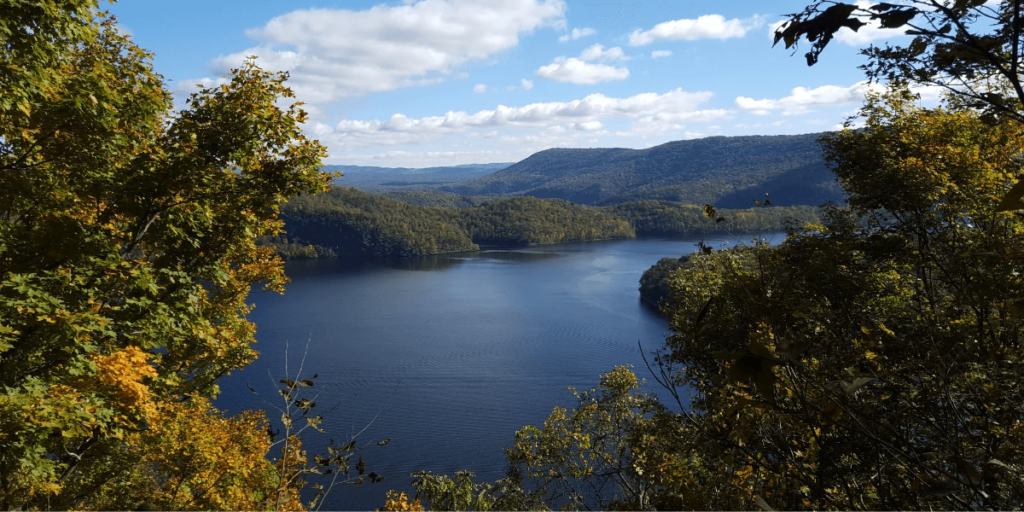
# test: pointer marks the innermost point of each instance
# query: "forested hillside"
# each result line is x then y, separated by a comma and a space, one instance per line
725, 171
350, 222
354, 223
668, 218
437, 199
530, 221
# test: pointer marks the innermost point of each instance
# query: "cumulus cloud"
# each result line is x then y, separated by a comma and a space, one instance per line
584, 114
657, 54
478, 88
582, 71
576, 34
709, 26
526, 84
801, 99
578, 71
597, 52
332, 54
191, 85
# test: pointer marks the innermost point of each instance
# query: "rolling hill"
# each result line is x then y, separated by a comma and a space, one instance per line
729, 172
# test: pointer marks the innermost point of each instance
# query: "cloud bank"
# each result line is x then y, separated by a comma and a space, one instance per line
653, 111
333, 54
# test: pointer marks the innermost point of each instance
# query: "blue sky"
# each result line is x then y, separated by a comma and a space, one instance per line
445, 82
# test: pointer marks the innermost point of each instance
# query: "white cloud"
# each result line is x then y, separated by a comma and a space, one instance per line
801, 99
581, 71
478, 88
191, 85
584, 114
663, 122
526, 84
589, 126
576, 34
657, 54
332, 54
709, 26
597, 52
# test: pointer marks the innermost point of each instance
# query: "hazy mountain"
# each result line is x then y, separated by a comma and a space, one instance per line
725, 171
385, 179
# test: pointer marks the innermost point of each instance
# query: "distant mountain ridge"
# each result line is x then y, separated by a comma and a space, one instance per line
726, 171
387, 179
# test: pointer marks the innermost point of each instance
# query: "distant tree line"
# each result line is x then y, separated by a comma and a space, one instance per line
668, 218
349, 222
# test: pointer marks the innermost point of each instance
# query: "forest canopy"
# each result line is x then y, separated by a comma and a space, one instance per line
127, 251
349, 222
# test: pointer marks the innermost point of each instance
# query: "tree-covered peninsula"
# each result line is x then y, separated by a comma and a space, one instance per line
350, 222
347, 222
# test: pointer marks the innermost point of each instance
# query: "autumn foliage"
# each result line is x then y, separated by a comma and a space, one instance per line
127, 251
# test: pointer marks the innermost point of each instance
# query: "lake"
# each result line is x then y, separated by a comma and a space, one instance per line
449, 355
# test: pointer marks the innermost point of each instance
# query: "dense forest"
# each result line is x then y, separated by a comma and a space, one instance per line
668, 218
655, 283
349, 222
354, 223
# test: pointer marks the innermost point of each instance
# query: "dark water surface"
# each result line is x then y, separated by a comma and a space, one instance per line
449, 355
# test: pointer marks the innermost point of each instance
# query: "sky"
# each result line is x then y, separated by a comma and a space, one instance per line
421, 83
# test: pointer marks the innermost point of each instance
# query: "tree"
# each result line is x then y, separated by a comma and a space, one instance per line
586, 458
866, 363
127, 244
582, 458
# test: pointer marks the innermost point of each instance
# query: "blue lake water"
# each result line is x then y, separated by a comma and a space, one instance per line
449, 355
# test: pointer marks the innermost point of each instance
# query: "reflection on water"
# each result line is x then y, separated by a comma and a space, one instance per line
450, 360
523, 255
431, 262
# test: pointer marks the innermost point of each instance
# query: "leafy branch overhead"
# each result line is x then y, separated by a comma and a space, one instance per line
970, 47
